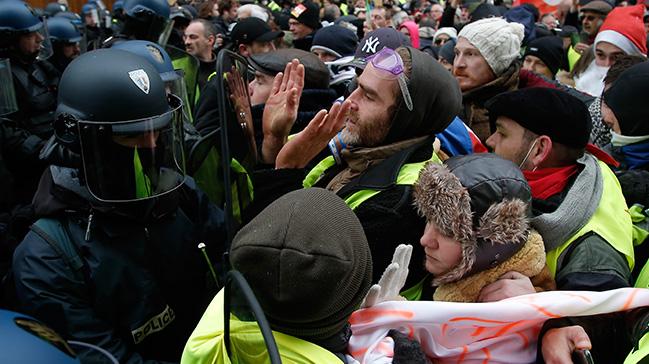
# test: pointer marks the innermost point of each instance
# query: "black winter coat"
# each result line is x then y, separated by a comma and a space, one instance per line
144, 285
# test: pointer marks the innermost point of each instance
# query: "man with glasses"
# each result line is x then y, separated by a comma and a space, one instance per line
388, 125
592, 17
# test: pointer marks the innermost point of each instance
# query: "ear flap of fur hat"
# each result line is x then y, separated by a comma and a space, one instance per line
502, 232
443, 201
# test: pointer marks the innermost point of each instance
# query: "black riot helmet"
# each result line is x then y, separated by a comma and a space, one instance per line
146, 19
114, 110
18, 19
52, 9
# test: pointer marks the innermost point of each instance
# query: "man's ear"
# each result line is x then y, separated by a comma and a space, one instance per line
243, 50
542, 152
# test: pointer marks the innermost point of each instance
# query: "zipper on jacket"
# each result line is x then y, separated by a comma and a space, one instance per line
88, 227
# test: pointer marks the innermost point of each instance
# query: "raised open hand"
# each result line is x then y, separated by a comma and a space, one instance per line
280, 110
241, 103
306, 144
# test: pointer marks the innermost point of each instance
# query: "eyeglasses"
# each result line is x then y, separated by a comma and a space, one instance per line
390, 65
589, 17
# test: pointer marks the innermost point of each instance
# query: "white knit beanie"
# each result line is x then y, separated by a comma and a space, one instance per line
498, 41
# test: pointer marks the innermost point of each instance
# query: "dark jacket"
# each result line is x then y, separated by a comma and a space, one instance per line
35, 84
144, 284
633, 171
304, 43
19, 164
388, 218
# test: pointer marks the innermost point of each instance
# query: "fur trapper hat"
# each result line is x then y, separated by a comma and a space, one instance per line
480, 200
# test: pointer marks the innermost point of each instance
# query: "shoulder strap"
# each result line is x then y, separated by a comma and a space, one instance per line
57, 235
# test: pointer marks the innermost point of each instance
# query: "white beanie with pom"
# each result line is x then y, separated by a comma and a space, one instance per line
498, 41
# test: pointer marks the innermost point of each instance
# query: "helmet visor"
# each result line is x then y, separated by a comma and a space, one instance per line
46, 51
134, 160
176, 85
8, 103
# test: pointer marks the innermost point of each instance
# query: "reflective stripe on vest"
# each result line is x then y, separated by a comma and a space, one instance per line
209, 179
207, 345
273, 6
190, 79
616, 228
573, 57
408, 175
643, 277
344, 8
142, 181
636, 356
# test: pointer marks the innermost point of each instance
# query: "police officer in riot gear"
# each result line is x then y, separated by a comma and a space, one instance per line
35, 80
113, 258
65, 38
144, 20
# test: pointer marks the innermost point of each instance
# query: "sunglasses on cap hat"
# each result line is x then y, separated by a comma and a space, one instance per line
390, 66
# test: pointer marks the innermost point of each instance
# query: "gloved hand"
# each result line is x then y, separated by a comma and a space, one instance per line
55, 153
392, 280
406, 350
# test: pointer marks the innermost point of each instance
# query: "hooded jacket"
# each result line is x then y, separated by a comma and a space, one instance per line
388, 217
143, 284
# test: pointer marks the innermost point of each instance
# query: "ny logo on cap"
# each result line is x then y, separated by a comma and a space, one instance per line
140, 79
370, 45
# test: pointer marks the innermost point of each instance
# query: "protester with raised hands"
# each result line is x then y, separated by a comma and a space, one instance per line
388, 125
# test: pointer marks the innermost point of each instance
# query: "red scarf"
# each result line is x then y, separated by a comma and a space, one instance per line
548, 182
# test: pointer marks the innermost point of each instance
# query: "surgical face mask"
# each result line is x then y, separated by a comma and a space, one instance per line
528, 155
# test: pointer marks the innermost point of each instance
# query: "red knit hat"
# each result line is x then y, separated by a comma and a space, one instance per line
628, 22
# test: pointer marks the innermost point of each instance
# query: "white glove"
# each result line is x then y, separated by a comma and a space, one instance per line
392, 280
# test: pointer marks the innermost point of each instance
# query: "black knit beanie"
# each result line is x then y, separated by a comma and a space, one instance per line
307, 260
628, 97
307, 13
549, 50
447, 51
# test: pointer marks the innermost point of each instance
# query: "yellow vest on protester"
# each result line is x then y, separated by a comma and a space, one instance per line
636, 356
408, 175
190, 79
616, 228
573, 57
207, 344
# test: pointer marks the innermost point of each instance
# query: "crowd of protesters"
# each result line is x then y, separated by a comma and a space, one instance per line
456, 151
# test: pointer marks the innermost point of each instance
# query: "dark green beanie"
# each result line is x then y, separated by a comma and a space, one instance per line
307, 259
